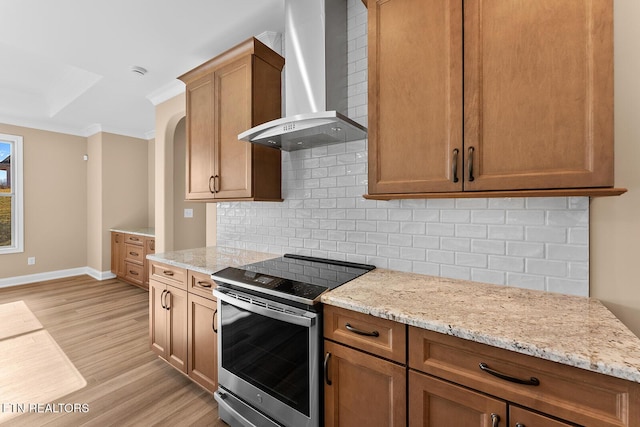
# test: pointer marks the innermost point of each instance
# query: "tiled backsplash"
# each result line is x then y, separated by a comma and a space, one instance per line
537, 243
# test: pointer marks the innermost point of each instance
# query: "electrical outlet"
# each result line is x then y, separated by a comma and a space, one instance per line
188, 213
31, 260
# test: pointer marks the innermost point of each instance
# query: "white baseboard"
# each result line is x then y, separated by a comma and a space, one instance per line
59, 274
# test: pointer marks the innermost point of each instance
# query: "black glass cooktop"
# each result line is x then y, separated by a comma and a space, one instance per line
292, 277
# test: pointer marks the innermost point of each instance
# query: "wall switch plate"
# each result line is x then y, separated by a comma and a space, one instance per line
31, 260
188, 213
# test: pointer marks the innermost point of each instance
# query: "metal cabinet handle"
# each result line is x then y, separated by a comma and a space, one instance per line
133, 273
216, 183
135, 239
520, 425
167, 273
133, 253
470, 164
212, 189
213, 324
533, 381
454, 166
326, 368
162, 299
168, 294
203, 284
361, 332
495, 420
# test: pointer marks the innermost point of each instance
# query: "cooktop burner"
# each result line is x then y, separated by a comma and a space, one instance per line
292, 277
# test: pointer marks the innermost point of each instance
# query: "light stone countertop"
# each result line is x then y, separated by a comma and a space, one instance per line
140, 231
210, 259
571, 330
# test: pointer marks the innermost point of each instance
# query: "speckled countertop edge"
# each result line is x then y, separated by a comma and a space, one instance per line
140, 231
210, 259
571, 330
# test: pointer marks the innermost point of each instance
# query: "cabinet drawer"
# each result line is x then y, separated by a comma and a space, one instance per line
523, 417
381, 337
574, 394
134, 253
200, 284
134, 239
174, 276
133, 272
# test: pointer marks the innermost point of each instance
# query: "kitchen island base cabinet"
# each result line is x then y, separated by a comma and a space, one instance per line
128, 257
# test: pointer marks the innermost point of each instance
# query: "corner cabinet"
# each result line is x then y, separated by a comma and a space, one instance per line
129, 257
492, 97
225, 96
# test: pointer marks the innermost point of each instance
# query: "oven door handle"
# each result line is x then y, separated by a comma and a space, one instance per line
254, 308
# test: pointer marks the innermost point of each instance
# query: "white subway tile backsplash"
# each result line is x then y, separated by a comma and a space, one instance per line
536, 243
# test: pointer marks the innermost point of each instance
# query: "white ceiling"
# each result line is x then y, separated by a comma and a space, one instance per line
65, 65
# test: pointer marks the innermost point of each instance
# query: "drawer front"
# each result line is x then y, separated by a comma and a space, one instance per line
380, 337
134, 239
174, 276
200, 284
134, 253
523, 417
574, 394
134, 272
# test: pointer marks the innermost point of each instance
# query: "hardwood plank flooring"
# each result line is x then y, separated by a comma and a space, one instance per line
103, 327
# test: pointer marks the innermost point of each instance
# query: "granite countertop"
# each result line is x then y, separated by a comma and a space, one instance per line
140, 231
571, 330
210, 259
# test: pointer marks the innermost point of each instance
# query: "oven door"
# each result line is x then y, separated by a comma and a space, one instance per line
268, 356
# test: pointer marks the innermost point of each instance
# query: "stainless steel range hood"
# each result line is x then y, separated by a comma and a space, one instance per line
315, 80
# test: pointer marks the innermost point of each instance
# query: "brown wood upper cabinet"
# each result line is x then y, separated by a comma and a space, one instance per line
489, 96
225, 96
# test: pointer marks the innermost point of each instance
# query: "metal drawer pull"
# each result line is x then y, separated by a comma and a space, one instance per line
203, 284
326, 368
135, 239
133, 254
520, 425
361, 332
133, 273
168, 273
533, 381
213, 324
495, 420
470, 164
454, 166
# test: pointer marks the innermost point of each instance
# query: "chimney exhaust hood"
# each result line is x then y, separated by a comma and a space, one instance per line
315, 80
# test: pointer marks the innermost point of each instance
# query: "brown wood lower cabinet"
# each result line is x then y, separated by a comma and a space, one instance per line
168, 323
203, 341
129, 257
368, 374
182, 322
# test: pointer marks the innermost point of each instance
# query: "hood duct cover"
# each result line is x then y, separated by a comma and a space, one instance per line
315, 80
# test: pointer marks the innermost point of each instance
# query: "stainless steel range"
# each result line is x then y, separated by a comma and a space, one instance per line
270, 339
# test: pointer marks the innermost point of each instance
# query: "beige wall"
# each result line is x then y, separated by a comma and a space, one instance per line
55, 203
615, 221
151, 176
187, 232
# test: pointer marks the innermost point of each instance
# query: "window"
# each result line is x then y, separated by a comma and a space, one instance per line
11, 204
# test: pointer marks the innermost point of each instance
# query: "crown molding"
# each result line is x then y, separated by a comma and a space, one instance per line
166, 92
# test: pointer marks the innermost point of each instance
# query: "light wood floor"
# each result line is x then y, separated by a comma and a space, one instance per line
103, 328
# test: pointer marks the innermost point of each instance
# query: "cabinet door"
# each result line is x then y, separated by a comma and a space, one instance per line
203, 342
364, 390
520, 417
200, 151
233, 116
176, 352
117, 254
157, 318
434, 403
538, 102
415, 96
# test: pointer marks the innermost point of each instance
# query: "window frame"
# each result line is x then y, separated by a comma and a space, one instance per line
16, 194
